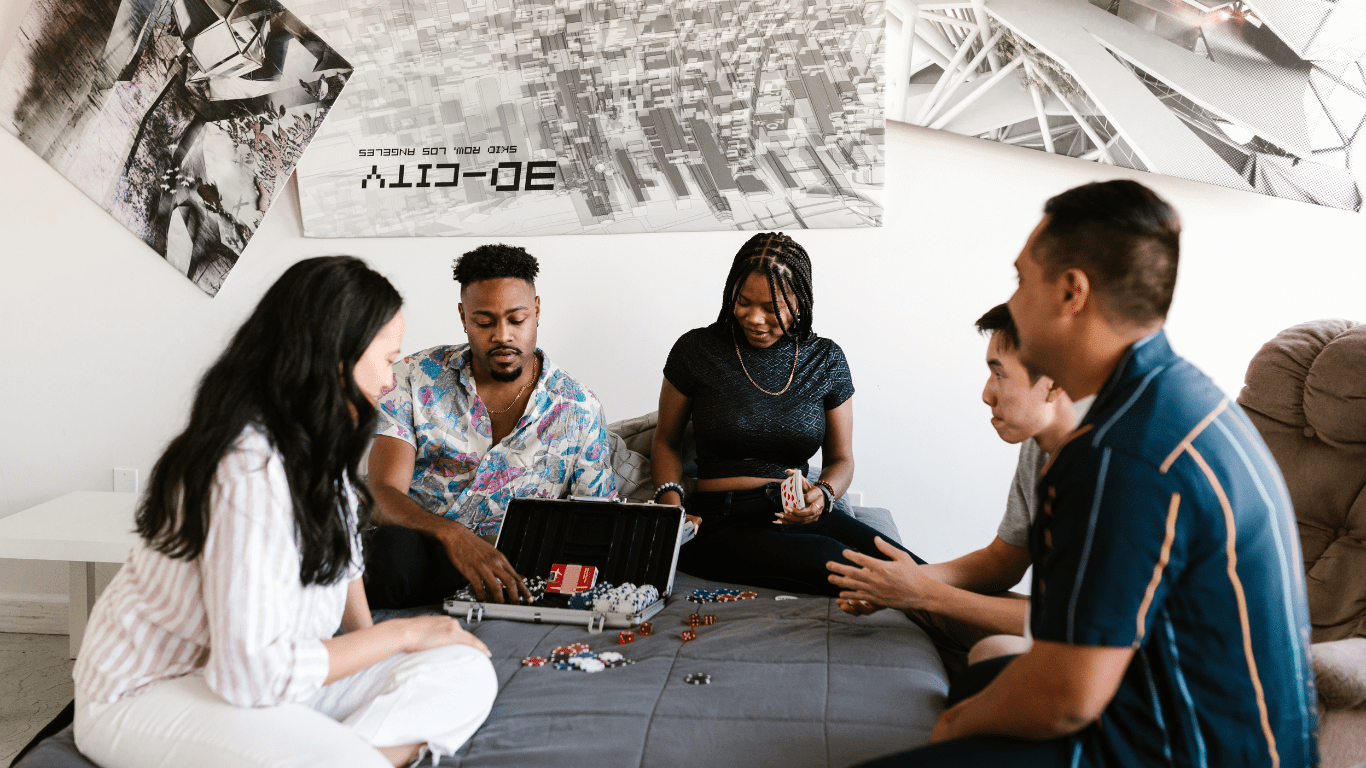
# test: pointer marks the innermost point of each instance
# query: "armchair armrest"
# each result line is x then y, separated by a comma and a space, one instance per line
1340, 672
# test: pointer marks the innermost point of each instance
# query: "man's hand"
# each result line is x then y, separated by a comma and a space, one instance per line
491, 575
815, 505
943, 728
895, 583
857, 607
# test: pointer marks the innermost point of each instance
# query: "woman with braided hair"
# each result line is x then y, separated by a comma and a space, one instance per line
764, 392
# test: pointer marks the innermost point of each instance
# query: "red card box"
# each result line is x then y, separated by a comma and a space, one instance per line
568, 579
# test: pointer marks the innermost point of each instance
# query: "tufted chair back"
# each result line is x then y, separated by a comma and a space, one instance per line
1306, 392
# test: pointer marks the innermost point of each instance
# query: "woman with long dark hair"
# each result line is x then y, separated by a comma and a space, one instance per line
764, 393
213, 646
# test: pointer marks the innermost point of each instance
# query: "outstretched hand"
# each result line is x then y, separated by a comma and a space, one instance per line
897, 582
857, 607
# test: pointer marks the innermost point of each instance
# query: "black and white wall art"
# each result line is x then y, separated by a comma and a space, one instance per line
181, 118
1261, 95
522, 117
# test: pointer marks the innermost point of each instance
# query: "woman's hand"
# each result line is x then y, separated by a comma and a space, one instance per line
422, 633
696, 523
815, 504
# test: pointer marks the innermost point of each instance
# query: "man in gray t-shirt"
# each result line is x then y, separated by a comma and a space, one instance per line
966, 600
1022, 501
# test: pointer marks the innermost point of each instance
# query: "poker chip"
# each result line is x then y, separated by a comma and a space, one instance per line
698, 678
534, 584
627, 598
785, 597
590, 665
700, 596
578, 658
584, 600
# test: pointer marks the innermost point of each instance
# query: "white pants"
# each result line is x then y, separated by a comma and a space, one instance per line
437, 697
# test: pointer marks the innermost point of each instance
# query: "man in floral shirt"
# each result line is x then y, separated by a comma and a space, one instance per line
465, 428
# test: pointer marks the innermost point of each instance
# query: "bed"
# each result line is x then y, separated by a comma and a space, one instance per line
794, 683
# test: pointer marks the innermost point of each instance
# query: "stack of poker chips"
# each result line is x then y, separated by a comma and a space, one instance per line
698, 678
577, 657
584, 600
700, 596
605, 598
534, 584
627, 598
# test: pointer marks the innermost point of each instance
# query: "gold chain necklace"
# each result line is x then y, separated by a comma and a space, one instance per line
795, 352
519, 392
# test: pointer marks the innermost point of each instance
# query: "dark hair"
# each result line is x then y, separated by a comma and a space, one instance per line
999, 320
490, 262
788, 269
1124, 237
289, 370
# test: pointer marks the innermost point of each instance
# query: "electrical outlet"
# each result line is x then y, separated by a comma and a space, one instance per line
125, 480
855, 498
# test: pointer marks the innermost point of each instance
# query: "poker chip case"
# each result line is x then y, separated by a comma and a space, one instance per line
625, 541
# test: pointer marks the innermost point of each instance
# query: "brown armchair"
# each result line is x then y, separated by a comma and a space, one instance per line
1306, 392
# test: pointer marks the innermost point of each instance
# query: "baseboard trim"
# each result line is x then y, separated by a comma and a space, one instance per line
34, 614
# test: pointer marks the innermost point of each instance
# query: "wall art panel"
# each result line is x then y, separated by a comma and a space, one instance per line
547, 117
1262, 95
181, 118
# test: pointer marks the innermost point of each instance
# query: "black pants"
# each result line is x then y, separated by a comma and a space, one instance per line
404, 569
738, 542
984, 751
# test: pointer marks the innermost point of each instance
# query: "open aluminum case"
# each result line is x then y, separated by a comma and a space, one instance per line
625, 541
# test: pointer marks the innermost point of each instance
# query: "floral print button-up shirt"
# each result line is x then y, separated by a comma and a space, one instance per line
558, 448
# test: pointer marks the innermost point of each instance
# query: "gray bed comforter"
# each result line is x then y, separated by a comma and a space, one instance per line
794, 683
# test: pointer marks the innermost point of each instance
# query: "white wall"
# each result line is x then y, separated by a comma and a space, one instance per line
102, 342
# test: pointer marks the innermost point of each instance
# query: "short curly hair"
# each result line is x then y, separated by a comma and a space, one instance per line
490, 262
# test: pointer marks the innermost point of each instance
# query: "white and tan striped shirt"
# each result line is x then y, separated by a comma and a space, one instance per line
238, 614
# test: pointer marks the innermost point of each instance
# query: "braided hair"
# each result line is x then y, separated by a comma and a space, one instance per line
788, 269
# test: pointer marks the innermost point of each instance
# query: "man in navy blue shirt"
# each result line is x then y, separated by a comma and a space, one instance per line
1168, 610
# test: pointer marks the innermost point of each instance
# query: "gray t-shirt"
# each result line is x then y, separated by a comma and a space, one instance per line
1023, 501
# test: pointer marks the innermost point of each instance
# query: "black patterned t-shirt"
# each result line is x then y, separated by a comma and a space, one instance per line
741, 431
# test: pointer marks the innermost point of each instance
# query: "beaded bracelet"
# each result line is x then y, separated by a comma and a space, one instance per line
661, 490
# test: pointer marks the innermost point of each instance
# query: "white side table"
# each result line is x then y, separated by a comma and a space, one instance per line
83, 528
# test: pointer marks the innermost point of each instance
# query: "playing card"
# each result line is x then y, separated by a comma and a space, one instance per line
792, 493
568, 579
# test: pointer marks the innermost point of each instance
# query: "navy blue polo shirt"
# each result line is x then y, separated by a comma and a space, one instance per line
1165, 526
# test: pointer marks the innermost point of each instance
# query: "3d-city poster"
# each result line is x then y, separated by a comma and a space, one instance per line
1266, 96
540, 117
181, 118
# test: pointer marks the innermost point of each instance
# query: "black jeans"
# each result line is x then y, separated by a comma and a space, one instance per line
404, 569
738, 542
982, 751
